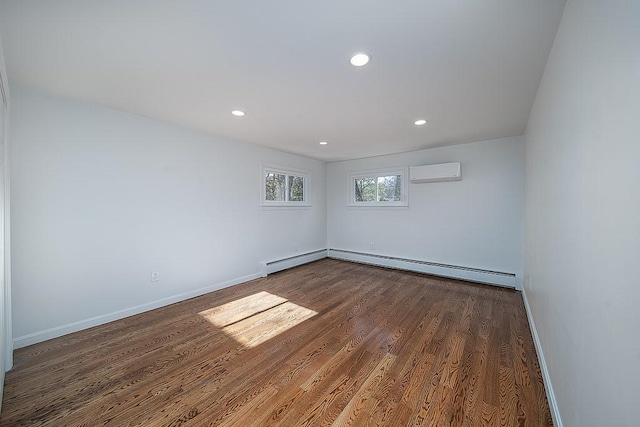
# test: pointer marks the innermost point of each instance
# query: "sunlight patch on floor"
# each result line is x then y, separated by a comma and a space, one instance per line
257, 318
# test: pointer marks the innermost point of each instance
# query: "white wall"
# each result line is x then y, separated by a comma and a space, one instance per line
102, 198
6, 344
476, 222
583, 214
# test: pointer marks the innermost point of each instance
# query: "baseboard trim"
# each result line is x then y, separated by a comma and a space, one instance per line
58, 331
436, 269
551, 397
460, 273
271, 267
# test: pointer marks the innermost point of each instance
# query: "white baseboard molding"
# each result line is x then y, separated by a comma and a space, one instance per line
462, 273
271, 267
456, 272
551, 397
58, 331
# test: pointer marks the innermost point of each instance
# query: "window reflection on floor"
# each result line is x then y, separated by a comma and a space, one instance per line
257, 318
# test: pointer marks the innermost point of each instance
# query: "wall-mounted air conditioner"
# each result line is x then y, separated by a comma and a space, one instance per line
435, 173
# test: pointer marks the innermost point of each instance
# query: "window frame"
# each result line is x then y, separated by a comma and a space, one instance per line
377, 173
270, 168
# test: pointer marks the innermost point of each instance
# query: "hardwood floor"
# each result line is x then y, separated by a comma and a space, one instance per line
329, 343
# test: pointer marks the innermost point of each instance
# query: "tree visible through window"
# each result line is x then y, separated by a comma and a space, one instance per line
378, 189
275, 186
296, 188
283, 188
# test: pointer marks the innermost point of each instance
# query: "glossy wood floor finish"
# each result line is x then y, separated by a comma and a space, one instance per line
329, 343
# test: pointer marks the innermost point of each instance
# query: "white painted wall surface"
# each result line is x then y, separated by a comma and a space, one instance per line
476, 222
6, 344
583, 214
102, 198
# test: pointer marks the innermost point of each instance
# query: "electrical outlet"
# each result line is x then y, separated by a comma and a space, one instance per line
155, 276
530, 283
295, 247
372, 246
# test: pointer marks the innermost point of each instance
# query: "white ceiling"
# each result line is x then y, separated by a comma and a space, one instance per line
470, 67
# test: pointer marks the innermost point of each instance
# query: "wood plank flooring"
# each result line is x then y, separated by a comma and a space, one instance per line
331, 343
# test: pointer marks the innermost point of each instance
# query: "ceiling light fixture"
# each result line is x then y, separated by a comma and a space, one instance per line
238, 113
323, 142
420, 122
359, 59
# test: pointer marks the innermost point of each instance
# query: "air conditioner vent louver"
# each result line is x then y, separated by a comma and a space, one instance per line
435, 173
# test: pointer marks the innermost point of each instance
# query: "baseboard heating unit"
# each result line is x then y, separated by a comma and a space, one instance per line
445, 270
271, 267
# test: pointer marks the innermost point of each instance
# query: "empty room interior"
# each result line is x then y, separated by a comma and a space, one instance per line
365, 213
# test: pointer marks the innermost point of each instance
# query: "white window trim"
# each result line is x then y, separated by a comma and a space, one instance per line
267, 167
404, 189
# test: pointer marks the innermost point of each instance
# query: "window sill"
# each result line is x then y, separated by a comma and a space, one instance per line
383, 207
269, 207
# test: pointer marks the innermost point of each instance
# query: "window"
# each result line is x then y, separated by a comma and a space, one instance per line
378, 188
281, 187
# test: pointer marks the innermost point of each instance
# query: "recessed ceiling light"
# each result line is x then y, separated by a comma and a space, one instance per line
359, 59
238, 113
420, 122
323, 142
